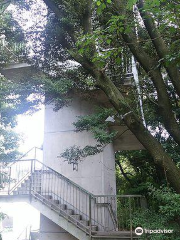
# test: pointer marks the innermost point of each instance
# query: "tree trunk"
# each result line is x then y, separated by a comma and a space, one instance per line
160, 46
151, 68
160, 157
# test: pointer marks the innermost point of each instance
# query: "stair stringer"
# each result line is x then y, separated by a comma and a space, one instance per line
49, 213
59, 220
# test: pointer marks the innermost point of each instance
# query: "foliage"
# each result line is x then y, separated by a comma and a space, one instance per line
8, 145
75, 154
87, 46
11, 37
12, 44
96, 40
97, 124
163, 213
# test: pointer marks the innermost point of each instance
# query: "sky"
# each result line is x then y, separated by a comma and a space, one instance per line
31, 129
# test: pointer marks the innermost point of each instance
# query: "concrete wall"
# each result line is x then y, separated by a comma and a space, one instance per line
95, 173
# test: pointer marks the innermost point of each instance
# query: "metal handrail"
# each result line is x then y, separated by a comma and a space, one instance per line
83, 189
11, 164
19, 159
75, 184
19, 183
81, 201
67, 179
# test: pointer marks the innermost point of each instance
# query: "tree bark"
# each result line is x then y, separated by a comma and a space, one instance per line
151, 68
123, 173
160, 46
160, 157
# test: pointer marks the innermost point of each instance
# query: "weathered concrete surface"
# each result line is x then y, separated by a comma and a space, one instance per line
95, 173
18, 71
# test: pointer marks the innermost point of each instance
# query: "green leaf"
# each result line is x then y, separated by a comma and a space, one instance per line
108, 41
98, 3
103, 6
118, 60
131, 3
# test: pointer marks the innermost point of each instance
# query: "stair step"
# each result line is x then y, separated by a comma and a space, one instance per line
84, 222
76, 217
98, 235
47, 196
94, 228
69, 211
39, 178
27, 181
56, 201
19, 189
59, 206
25, 184
25, 190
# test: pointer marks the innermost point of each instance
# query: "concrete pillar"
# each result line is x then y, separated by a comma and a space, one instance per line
95, 173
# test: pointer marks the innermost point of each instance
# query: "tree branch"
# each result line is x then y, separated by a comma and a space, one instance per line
138, 129
160, 46
54, 8
131, 120
151, 68
123, 173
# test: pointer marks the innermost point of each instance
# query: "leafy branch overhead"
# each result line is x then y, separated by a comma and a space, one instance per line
94, 45
97, 40
138, 28
97, 124
75, 154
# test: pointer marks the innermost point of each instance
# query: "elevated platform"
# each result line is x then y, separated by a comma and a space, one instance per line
125, 140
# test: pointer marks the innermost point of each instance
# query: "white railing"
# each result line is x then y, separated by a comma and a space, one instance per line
107, 212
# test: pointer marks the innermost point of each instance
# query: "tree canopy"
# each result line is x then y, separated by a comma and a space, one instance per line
90, 45
101, 37
11, 37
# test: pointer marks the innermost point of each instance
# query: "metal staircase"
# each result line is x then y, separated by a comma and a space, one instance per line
82, 214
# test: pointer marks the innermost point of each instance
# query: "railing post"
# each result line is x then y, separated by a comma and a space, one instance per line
90, 216
143, 203
30, 232
30, 187
130, 215
34, 152
9, 180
